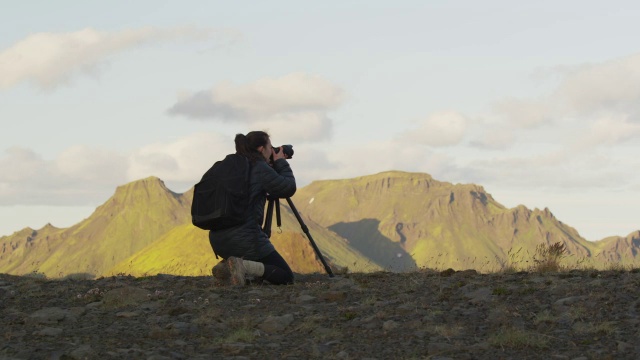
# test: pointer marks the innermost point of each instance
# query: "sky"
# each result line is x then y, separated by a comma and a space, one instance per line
538, 102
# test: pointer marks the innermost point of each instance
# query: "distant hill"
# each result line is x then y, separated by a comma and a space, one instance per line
393, 220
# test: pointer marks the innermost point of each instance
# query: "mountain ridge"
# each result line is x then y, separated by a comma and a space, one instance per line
391, 220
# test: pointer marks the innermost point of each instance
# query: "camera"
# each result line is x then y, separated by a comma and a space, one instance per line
286, 149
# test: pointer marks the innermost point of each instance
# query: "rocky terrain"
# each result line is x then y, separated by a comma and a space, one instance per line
584, 314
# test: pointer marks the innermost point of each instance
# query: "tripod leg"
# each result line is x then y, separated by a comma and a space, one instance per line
268, 220
278, 219
306, 231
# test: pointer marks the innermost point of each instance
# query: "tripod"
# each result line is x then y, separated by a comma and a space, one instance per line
269, 221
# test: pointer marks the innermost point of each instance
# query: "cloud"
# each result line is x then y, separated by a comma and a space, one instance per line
609, 130
294, 106
82, 175
51, 59
525, 113
553, 170
494, 139
360, 159
182, 160
586, 91
303, 127
440, 129
611, 86
84, 164
292, 93
78, 176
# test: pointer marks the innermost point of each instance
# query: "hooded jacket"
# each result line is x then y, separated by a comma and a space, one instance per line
247, 240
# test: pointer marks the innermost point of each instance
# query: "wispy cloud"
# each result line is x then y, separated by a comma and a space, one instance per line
445, 128
586, 91
82, 175
612, 87
78, 176
182, 160
292, 93
296, 104
51, 59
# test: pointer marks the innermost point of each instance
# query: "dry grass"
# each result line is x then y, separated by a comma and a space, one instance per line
518, 339
603, 328
244, 335
545, 317
547, 257
513, 262
447, 330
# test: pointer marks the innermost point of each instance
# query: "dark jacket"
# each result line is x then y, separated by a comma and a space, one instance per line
247, 240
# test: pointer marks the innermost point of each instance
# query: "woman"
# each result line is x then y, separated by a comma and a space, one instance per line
246, 249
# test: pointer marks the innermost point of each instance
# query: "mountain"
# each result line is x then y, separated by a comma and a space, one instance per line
619, 249
135, 216
185, 250
397, 218
393, 220
145, 228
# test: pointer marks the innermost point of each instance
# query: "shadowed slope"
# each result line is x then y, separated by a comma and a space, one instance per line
440, 224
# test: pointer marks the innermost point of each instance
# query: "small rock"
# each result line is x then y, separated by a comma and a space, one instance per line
405, 309
125, 296
94, 305
304, 298
158, 357
466, 273
334, 296
570, 300
48, 315
389, 325
235, 348
127, 314
481, 295
343, 284
439, 347
447, 273
83, 352
623, 347
274, 324
413, 324
48, 331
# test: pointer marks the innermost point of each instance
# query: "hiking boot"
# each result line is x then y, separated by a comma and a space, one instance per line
221, 272
237, 271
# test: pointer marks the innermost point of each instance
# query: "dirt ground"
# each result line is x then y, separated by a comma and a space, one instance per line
418, 315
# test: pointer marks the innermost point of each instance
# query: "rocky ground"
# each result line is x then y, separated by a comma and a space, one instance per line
419, 315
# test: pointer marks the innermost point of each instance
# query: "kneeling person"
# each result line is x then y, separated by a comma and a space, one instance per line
246, 248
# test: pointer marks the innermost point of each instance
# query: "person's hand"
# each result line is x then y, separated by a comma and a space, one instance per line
279, 154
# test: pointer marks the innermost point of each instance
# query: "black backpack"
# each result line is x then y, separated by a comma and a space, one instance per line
221, 197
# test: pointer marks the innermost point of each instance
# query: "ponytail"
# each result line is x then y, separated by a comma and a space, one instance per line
248, 145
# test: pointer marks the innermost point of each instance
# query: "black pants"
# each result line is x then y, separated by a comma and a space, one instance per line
276, 269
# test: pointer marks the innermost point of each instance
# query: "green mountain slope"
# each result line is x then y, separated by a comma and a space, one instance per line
135, 216
145, 228
394, 215
393, 220
185, 250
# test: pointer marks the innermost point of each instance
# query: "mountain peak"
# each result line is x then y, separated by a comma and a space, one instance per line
149, 185
151, 181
